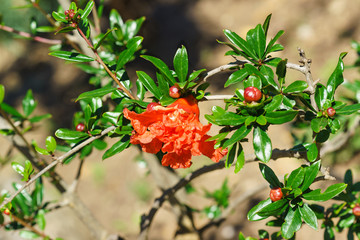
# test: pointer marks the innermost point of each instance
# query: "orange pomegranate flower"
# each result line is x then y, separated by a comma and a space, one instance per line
175, 130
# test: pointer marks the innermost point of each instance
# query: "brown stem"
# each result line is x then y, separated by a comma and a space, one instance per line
25, 224
98, 58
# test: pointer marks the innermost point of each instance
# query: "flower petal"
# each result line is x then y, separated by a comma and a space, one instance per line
174, 160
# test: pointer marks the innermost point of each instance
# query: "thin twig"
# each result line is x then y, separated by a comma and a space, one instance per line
218, 97
224, 68
75, 183
30, 227
28, 35
55, 162
98, 58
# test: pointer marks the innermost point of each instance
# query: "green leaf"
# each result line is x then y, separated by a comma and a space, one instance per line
310, 175
101, 40
240, 43
38, 193
328, 194
266, 81
321, 95
336, 77
256, 39
296, 178
274, 104
308, 216
161, 66
100, 92
28, 234
274, 209
126, 55
269, 175
71, 56
292, 223
253, 81
87, 10
67, 134
10, 110
312, 152
238, 135
236, 77
266, 24
231, 155
39, 118
45, 29
269, 47
18, 168
60, 17
281, 71
28, 103
317, 124
296, 87
84, 26
221, 117
240, 161
349, 109
149, 83
262, 145
27, 171
50, 143
181, 64
253, 213
280, 117
40, 219
118, 147
2, 93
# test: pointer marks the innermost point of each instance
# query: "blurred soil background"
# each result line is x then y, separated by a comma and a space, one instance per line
119, 189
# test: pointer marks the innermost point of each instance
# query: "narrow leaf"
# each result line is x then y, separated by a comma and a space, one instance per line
118, 147
100, 92
292, 223
149, 83
336, 77
269, 175
262, 145
71, 56
310, 175
181, 64
328, 194
161, 66
87, 10
308, 216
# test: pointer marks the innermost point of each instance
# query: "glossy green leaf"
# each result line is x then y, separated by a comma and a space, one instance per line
238, 135
87, 10
231, 155
321, 95
18, 168
28, 170
149, 83
269, 47
292, 223
328, 194
349, 109
40, 118
310, 175
240, 43
181, 64
253, 213
280, 117
262, 145
269, 176
71, 56
50, 143
131, 47
60, 17
281, 71
329, 233
266, 24
296, 87
317, 124
84, 26
221, 117
312, 152
40, 150
336, 77
240, 161
253, 81
296, 178
266, 82
117, 22
2, 93
118, 147
274, 104
45, 29
194, 75
28, 103
67, 134
40, 219
274, 208
38, 193
100, 92
161, 66
28, 234
236, 77
257, 41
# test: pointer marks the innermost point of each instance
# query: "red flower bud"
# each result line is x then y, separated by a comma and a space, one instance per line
151, 106
252, 94
72, 15
174, 92
330, 111
80, 127
7, 211
276, 194
66, 12
356, 210
74, 25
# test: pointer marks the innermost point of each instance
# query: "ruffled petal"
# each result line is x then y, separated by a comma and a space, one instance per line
174, 160
152, 147
207, 149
